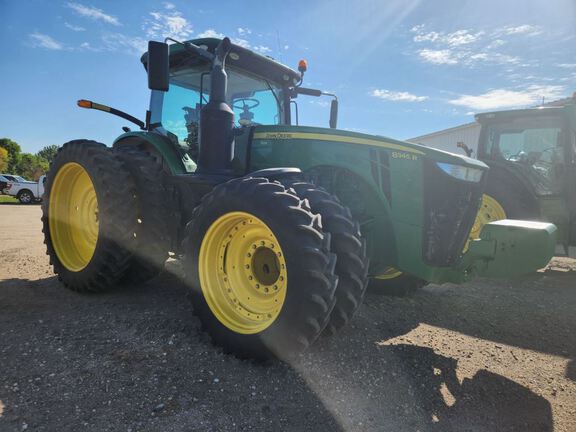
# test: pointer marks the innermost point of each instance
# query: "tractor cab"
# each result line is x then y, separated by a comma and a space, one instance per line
260, 91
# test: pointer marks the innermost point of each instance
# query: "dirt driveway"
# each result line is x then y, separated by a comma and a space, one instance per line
486, 356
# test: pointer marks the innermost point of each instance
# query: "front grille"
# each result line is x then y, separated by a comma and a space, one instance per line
450, 207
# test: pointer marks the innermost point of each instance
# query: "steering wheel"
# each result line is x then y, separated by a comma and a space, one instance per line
247, 104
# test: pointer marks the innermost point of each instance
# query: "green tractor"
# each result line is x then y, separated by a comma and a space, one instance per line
532, 158
279, 227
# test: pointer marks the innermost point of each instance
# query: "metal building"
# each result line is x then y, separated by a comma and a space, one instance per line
448, 139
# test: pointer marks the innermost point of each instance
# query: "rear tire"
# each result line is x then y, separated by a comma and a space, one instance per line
152, 241
227, 292
88, 216
348, 245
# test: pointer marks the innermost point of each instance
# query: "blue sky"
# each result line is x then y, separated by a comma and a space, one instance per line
401, 68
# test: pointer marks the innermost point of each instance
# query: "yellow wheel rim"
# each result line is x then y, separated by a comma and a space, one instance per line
242, 273
73, 216
389, 273
490, 211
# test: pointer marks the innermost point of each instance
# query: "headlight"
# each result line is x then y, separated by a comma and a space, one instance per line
461, 172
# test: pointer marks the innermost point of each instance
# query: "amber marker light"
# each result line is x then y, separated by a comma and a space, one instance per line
83, 103
302, 65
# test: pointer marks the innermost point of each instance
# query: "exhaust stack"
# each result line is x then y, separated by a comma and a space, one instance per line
216, 135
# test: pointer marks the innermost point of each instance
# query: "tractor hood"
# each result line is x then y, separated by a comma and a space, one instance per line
341, 136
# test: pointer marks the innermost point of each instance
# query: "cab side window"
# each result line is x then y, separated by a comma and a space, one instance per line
181, 112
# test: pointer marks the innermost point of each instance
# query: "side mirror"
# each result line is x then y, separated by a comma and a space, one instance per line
334, 113
158, 66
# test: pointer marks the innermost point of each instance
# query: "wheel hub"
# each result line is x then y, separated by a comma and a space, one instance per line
242, 272
73, 216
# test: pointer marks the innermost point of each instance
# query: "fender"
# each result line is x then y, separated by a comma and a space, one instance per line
160, 144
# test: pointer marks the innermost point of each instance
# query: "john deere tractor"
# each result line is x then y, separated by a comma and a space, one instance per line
279, 227
532, 158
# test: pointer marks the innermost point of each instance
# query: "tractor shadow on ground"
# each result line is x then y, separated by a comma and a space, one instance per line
372, 385
485, 402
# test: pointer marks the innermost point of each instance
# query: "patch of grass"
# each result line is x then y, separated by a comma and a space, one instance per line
7, 199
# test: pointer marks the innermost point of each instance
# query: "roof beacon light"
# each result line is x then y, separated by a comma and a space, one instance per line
302, 66
83, 103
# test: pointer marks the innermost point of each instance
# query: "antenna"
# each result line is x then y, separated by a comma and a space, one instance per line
278, 44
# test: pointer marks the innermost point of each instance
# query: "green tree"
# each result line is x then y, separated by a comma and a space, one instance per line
48, 153
14, 152
31, 166
3, 159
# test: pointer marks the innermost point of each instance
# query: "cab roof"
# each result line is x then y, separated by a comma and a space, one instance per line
502, 115
239, 57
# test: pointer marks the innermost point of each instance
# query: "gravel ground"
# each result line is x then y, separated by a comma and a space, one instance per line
485, 356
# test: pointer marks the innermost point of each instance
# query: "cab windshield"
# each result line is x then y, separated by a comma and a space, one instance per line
255, 101
534, 144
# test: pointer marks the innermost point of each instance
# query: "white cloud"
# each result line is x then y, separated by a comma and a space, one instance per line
286, 47
319, 102
503, 98
169, 24
210, 33
244, 31
40, 40
567, 65
93, 13
74, 28
169, 5
241, 42
468, 47
524, 29
462, 37
438, 56
496, 43
86, 46
459, 37
121, 42
262, 49
395, 96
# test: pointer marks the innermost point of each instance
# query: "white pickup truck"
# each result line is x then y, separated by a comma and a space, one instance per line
25, 190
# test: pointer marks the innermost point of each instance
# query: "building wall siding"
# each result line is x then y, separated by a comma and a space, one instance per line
446, 140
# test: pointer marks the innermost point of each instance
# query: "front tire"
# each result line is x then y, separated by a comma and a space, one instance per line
88, 216
260, 269
503, 199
